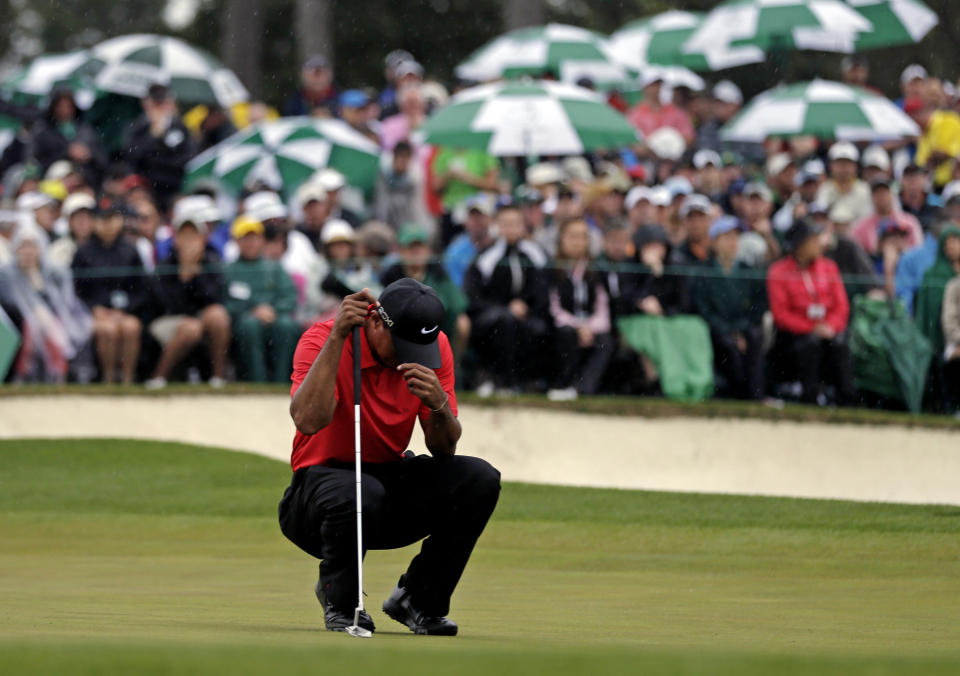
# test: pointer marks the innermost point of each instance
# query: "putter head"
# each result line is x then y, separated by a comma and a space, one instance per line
355, 629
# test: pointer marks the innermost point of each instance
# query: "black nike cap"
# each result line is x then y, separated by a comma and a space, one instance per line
413, 312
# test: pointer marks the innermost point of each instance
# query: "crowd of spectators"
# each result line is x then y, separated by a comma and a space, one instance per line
111, 273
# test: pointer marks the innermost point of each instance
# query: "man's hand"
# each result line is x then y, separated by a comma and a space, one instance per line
352, 312
265, 313
651, 306
824, 330
518, 308
423, 383
741, 343
78, 152
585, 336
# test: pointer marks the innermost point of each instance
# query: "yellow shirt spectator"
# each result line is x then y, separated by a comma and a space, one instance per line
941, 135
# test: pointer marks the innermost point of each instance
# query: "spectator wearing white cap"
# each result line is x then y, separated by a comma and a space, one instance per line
844, 185
912, 80
289, 246
758, 245
475, 238
696, 213
640, 209
334, 183
726, 100
876, 164
44, 210
312, 200
189, 290
78, 209
781, 170
387, 99
709, 179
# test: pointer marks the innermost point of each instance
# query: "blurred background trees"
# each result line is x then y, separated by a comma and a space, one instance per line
265, 41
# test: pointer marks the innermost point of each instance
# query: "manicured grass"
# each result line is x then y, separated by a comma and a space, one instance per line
648, 407
138, 557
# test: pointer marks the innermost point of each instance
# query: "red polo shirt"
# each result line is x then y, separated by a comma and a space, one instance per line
388, 409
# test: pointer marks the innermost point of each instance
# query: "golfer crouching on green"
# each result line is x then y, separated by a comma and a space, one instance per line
406, 371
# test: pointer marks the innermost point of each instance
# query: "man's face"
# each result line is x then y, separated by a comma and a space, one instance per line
315, 213
808, 191
710, 175
316, 79
380, 341
856, 75
510, 225
895, 239
81, 225
882, 200
811, 249
108, 227
843, 170
913, 88
339, 251
951, 249
533, 216
148, 220
914, 182
477, 225
251, 246
616, 244
653, 251
698, 224
651, 93
46, 216
757, 207
28, 255
355, 117
641, 213
189, 243
401, 162
416, 254
726, 245
724, 111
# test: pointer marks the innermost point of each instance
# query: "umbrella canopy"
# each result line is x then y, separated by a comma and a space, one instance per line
657, 40
520, 118
895, 22
565, 52
129, 64
286, 152
32, 84
828, 110
739, 32
9, 126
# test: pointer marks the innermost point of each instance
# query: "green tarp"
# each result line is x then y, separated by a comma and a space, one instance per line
890, 355
679, 347
9, 344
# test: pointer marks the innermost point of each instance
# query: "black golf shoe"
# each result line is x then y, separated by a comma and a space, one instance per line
338, 620
399, 608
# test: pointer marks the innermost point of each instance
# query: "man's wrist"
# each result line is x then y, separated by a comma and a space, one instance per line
441, 406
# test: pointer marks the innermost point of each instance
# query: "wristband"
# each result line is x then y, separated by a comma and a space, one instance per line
445, 402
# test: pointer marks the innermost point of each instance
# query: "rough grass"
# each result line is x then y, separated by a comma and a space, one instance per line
138, 557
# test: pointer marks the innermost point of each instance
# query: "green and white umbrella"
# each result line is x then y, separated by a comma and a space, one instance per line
9, 126
827, 110
895, 22
32, 84
656, 40
565, 52
740, 32
129, 64
521, 118
286, 152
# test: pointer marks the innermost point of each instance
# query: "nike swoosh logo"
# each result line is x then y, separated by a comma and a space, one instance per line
426, 331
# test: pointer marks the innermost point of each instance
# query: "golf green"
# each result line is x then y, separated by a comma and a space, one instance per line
124, 556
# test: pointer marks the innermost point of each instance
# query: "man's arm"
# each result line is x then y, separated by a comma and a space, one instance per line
315, 400
441, 431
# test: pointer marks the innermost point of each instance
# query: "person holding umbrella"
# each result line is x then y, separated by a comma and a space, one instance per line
406, 374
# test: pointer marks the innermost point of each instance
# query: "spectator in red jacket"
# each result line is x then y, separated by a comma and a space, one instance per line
811, 311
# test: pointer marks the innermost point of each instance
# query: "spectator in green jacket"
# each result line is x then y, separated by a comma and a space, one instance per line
414, 243
731, 298
261, 299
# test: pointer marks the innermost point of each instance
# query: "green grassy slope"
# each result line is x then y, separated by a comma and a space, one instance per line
132, 557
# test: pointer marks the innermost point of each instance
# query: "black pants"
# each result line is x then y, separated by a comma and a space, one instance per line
582, 367
446, 500
743, 371
512, 347
818, 359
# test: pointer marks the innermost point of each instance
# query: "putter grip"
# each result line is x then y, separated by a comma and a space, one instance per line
356, 365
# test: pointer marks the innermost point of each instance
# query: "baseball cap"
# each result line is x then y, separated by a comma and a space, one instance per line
650, 75
667, 143
354, 98
412, 233
479, 202
336, 230
875, 156
637, 195
951, 191
527, 195
757, 189
815, 167
33, 200
311, 191
196, 209
678, 185
727, 92
264, 205
405, 68
660, 196
913, 72
59, 170
704, 157
803, 177
878, 183
330, 180
77, 202
722, 226
693, 203
844, 150
543, 173
842, 213
412, 312
244, 225
396, 57
777, 163
817, 209
316, 61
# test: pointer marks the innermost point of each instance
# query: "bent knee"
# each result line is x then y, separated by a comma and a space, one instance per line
481, 475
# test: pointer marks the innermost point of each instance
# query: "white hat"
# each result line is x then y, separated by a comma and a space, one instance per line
815, 167
678, 185
76, 202
636, 195
844, 150
841, 212
650, 75
660, 196
778, 163
667, 143
330, 179
59, 170
336, 230
30, 233
33, 200
704, 157
693, 203
311, 191
950, 191
577, 168
543, 173
727, 92
196, 209
876, 156
264, 205
408, 67
913, 72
